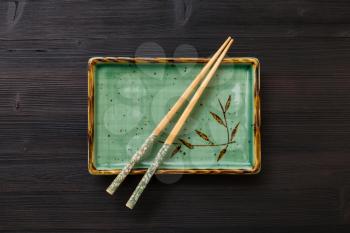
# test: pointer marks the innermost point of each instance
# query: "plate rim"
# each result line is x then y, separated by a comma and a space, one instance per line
256, 166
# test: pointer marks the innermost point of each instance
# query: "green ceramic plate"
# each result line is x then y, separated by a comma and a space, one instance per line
128, 97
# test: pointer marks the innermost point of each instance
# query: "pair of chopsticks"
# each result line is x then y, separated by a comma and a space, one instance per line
208, 72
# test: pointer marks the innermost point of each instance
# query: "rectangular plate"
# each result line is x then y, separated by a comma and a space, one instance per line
129, 96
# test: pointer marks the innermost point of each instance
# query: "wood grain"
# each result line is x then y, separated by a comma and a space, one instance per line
304, 49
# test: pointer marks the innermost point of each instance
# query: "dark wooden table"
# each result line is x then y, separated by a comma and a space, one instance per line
304, 48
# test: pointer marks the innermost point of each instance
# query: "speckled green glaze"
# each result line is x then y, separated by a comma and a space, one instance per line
130, 99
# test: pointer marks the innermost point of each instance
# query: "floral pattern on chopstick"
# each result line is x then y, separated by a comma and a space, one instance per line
230, 134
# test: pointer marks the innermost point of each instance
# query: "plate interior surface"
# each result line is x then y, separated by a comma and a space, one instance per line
130, 99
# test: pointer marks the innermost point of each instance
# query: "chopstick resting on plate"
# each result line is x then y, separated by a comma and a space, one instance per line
173, 134
149, 142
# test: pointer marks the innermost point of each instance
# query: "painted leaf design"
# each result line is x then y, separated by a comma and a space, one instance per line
177, 149
204, 136
221, 154
187, 144
217, 118
228, 103
234, 131
221, 106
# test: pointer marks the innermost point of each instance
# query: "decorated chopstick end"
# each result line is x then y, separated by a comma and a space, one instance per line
163, 152
146, 146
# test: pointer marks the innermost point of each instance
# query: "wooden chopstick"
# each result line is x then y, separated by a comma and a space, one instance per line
164, 122
148, 144
172, 136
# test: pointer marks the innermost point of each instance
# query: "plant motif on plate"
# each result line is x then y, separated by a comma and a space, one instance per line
230, 134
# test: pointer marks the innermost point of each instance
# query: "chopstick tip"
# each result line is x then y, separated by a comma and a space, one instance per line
129, 205
110, 192
232, 38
